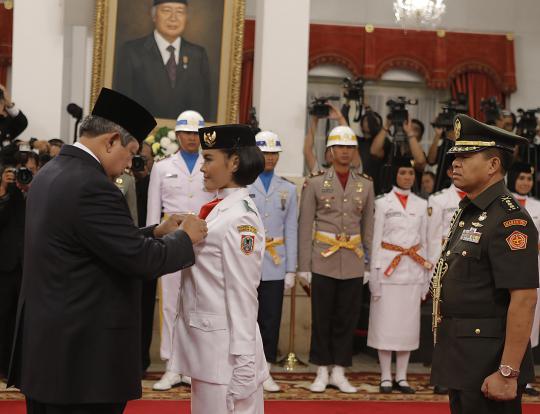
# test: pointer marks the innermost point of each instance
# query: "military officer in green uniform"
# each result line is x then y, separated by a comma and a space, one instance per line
484, 285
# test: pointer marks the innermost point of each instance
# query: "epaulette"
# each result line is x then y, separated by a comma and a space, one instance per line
509, 204
286, 179
367, 177
316, 173
248, 207
380, 196
162, 157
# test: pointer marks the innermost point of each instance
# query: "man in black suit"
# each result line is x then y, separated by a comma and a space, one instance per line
163, 71
77, 341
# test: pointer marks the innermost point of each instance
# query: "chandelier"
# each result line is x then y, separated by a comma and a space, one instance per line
419, 12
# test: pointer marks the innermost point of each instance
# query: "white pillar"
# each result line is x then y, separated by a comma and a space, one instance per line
38, 60
281, 75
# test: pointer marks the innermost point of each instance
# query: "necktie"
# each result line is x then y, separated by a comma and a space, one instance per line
403, 199
461, 194
208, 207
171, 66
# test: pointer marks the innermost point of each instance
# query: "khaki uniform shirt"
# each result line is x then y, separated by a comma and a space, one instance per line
326, 207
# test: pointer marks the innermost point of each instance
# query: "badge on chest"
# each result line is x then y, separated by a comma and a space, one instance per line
472, 235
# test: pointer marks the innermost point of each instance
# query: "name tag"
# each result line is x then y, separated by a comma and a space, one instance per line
472, 235
170, 175
391, 214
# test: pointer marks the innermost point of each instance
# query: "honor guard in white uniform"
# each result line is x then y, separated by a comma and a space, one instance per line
276, 200
441, 208
219, 343
339, 203
176, 186
400, 275
520, 181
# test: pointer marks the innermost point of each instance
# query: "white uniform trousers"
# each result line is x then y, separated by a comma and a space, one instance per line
209, 398
169, 292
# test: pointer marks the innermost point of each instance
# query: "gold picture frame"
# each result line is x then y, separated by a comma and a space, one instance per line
229, 76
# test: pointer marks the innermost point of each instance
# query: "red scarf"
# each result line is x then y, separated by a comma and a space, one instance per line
402, 199
461, 194
343, 178
522, 201
208, 207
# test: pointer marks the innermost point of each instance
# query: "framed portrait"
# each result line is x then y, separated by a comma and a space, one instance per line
171, 56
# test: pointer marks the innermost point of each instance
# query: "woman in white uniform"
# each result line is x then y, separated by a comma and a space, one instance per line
219, 342
399, 277
520, 182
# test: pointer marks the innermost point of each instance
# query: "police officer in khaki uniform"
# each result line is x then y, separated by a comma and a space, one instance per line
484, 285
340, 203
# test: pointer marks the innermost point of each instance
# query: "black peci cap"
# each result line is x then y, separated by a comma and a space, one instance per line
124, 112
474, 136
157, 2
226, 137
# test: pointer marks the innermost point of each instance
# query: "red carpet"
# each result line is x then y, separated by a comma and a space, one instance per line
286, 407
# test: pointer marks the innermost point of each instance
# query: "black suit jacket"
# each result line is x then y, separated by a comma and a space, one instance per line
141, 75
12, 211
78, 320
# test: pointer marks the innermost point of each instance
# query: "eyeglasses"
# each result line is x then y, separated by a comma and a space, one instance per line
168, 12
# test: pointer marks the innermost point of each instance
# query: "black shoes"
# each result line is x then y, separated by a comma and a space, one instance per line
385, 389
440, 390
533, 392
404, 389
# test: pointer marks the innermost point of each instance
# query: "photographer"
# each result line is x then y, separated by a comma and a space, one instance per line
13, 187
12, 121
309, 149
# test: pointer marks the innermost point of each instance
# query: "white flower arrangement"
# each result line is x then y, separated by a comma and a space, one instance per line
163, 142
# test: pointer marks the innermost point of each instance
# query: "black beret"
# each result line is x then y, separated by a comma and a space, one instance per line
124, 112
474, 136
157, 2
226, 136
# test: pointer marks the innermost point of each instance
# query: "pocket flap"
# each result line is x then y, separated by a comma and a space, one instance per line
481, 328
207, 321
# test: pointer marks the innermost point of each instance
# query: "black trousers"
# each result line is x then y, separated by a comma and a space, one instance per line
148, 303
474, 402
34, 407
270, 304
335, 311
10, 286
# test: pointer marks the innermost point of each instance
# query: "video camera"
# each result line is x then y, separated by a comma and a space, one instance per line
399, 115
138, 162
353, 89
528, 123
449, 110
319, 106
491, 109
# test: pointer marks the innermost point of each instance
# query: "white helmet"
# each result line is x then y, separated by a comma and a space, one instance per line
267, 141
189, 121
342, 135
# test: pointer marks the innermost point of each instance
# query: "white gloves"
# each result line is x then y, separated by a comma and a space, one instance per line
243, 382
425, 290
290, 280
306, 276
375, 286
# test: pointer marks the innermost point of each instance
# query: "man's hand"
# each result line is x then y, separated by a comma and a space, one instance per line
305, 276
8, 177
168, 226
498, 388
195, 228
408, 128
290, 280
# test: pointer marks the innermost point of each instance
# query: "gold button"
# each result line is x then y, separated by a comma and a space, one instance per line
477, 331
448, 253
464, 253
265, 214
461, 223
266, 199
345, 200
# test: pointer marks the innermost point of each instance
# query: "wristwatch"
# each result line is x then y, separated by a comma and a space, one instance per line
508, 372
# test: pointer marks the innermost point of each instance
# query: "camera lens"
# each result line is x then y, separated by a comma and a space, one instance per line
24, 176
138, 163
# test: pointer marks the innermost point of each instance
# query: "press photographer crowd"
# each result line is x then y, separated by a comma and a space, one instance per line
382, 210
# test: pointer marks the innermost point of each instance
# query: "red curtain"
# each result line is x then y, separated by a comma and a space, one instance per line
246, 87
6, 37
477, 86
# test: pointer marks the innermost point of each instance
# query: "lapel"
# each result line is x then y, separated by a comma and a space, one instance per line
230, 197
258, 185
274, 185
336, 184
397, 204
156, 66
179, 163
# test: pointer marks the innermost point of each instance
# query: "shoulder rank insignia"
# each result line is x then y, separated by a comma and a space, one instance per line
248, 207
246, 228
161, 158
517, 241
509, 204
316, 173
286, 179
367, 177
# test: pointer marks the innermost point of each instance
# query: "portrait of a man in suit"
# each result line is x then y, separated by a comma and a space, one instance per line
163, 70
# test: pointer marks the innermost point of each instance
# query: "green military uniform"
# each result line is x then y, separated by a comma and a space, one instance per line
492, 248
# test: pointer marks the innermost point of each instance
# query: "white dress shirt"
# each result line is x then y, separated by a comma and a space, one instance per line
164, 44
86, 149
